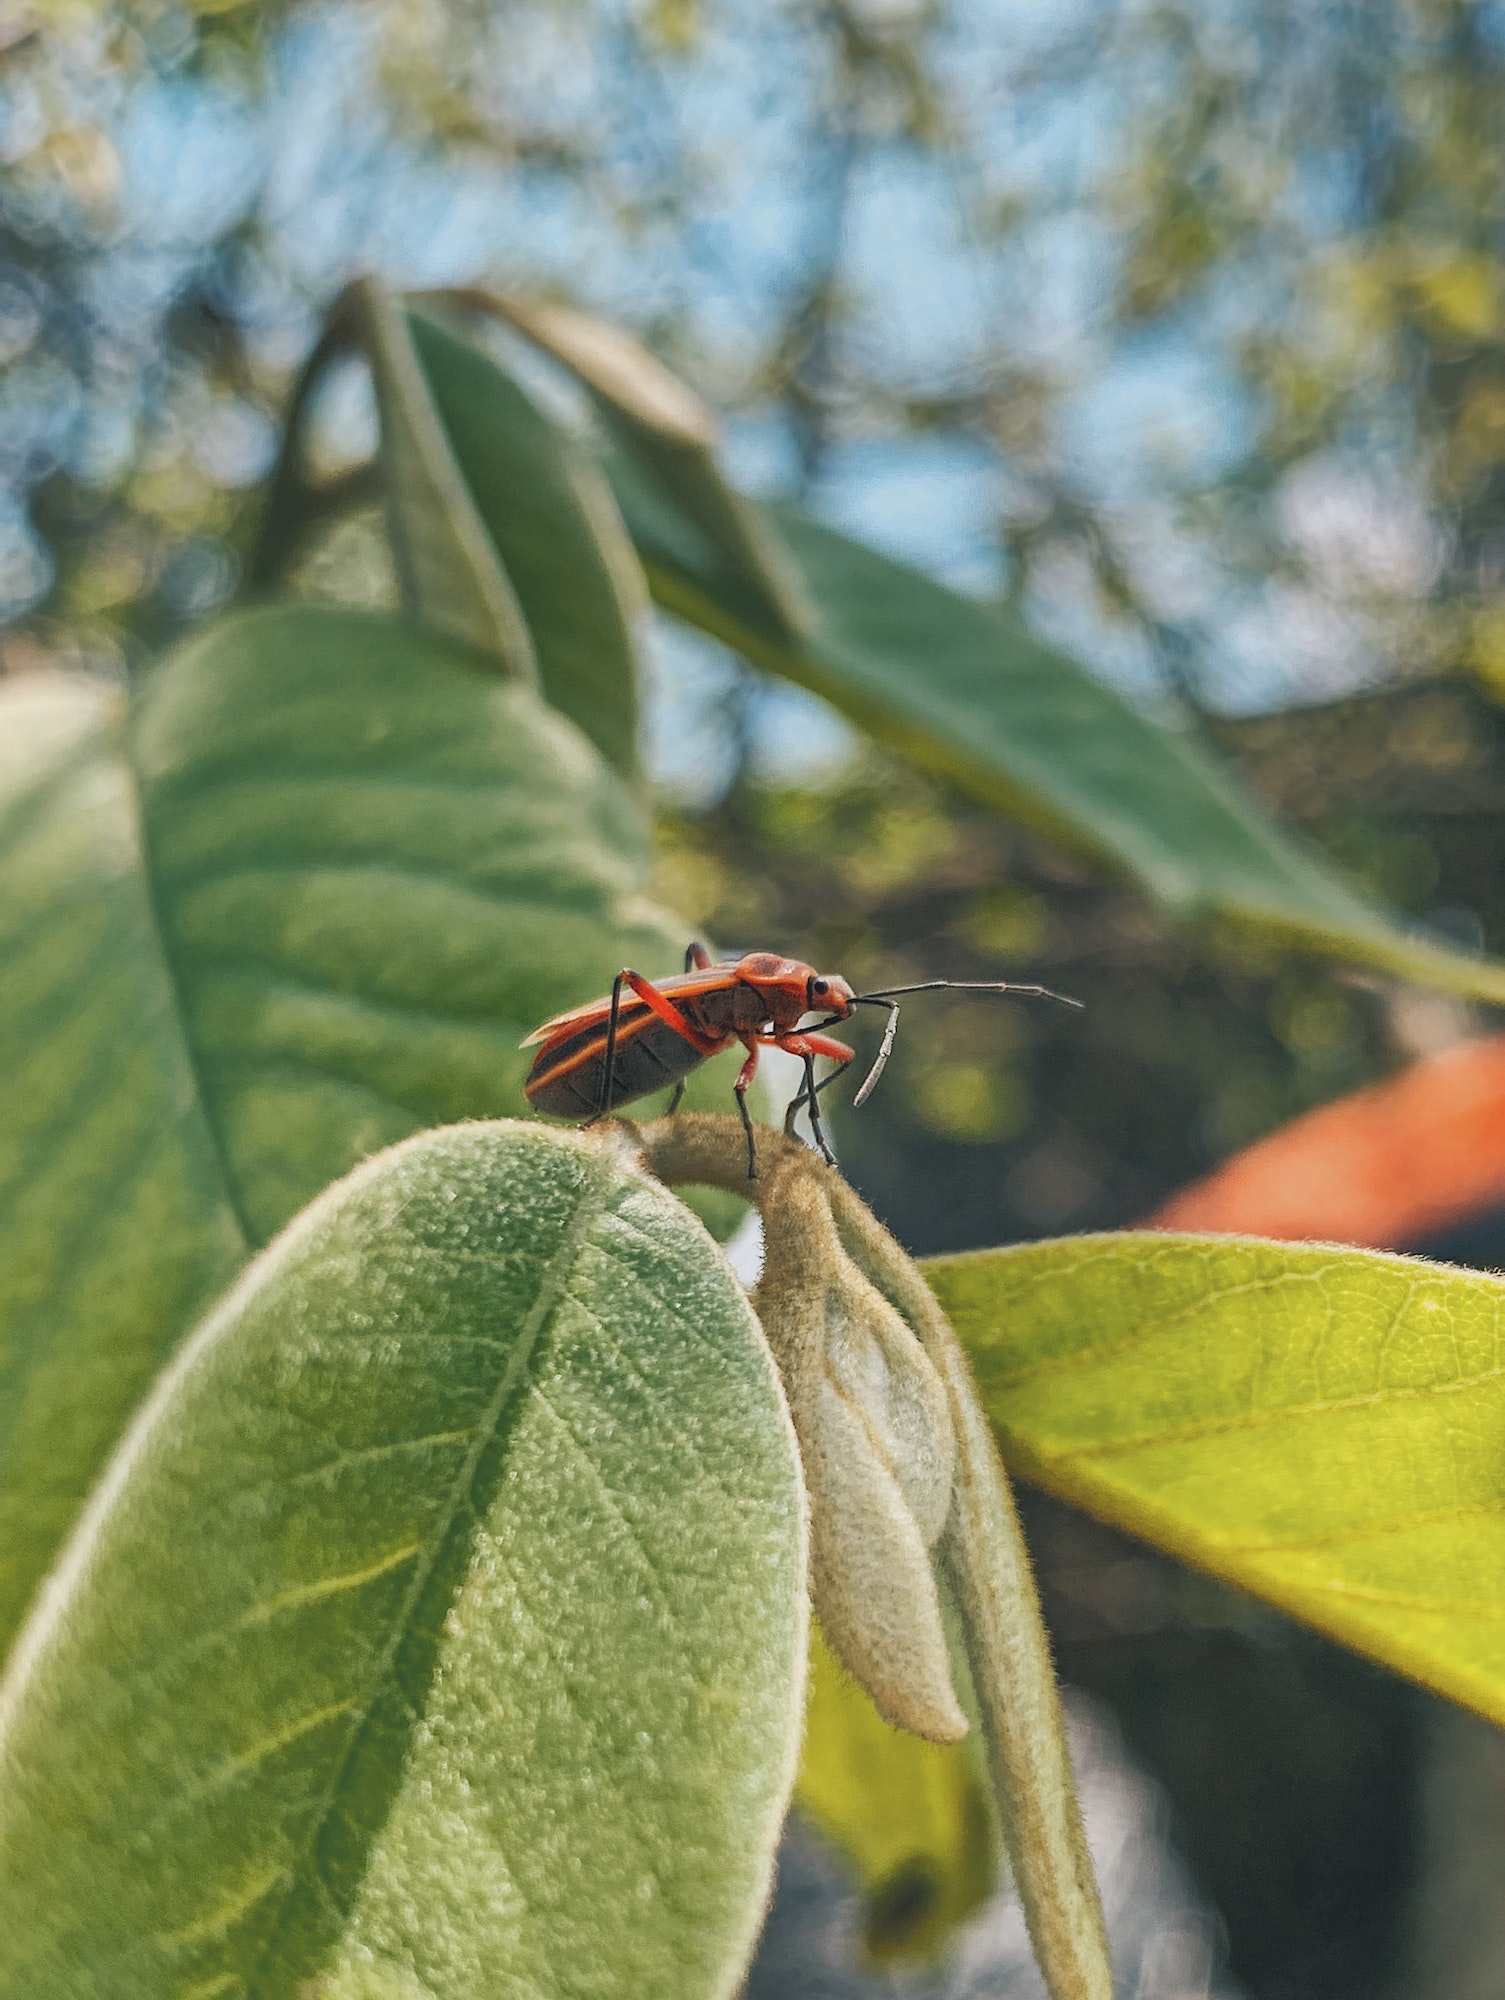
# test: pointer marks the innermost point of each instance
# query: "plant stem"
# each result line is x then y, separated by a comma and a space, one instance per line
981, 1553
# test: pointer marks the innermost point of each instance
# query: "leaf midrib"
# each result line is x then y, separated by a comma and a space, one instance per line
552, 1290
228, 1189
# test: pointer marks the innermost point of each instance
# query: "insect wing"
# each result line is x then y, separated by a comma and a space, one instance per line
631, 1007
567, 1072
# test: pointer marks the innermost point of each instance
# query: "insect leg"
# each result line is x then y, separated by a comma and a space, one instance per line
797, 1104
740, 1088
805, 1095
807, 1047
609, 1063
811, 1095
807, 1042
668, 1013
679, 1091
697, 958
818, 1130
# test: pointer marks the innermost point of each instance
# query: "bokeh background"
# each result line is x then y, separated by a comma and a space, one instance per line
1178, 323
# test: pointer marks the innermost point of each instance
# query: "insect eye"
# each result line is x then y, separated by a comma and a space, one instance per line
817, 986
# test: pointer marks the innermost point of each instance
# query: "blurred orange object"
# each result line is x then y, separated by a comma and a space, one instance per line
1384, 1169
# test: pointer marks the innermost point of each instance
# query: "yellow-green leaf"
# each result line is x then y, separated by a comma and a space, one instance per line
911, 1817
1323, 1426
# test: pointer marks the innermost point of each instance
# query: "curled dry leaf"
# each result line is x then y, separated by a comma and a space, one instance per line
905, 1483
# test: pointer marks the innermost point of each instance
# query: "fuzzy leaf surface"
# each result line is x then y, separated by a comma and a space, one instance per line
439, 1628
1323, 1426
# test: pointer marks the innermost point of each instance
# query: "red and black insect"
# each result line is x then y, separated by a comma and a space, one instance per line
611, 1051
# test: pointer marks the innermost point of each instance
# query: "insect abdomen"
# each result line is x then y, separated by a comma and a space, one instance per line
566, 1079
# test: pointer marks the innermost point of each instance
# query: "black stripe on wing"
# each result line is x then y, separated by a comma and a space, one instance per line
566, 1079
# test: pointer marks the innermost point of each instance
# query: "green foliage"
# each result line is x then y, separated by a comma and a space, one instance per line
862, 1346
306, 901
1321, 1426
556, 530
964, 689
456, 1562
452, 580
118, 1222
687, 520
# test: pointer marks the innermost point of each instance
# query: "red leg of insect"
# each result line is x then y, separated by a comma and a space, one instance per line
666, 1011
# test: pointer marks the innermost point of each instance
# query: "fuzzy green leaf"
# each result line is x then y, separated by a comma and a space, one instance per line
440, 1625
305, 900
1325, 1427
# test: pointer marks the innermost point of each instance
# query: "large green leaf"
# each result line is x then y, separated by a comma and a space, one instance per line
1323, 1426
963, 687
441, 1621
116, 1222
377, 868
308, 899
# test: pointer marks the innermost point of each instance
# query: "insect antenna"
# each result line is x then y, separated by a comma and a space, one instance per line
886, 997
972, 986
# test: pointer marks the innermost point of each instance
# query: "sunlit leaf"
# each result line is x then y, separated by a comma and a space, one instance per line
308, 899
440, 1624
1323, 1426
